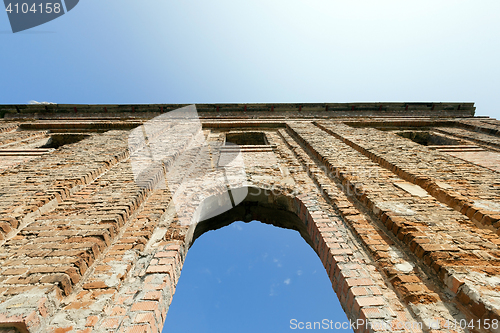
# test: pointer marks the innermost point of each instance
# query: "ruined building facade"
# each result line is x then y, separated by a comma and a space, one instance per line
400, 201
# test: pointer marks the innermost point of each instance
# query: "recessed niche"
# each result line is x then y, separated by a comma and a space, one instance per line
429, 138
246, 138
59, 140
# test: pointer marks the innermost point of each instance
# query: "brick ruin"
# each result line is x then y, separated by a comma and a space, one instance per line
401, 202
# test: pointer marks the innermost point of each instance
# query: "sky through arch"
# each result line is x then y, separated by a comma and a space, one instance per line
249, 277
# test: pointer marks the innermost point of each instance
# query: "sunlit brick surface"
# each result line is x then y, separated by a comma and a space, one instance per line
407, 233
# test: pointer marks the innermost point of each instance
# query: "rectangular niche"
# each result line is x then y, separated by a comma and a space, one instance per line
429, 138
246, 139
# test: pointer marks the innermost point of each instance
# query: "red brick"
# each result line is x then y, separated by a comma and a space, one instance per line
372, 313
42, 308
159, 269
87, 330
14, 271
146, 318
153, 295
118, 311
91, 321
369, 301
12, 221
111, 322
95, 285
358, 291
5, 227
351, 282
62, 329
145, 306
137, 329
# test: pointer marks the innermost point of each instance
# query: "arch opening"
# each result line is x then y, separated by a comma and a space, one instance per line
273, 209
266, 206
251, 276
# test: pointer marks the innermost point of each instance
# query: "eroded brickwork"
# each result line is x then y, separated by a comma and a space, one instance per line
406, 232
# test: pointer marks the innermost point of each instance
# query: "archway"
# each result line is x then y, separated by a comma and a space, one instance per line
248, 277
272, 208
362, 291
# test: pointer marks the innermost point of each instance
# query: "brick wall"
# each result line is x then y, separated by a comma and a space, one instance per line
406, 233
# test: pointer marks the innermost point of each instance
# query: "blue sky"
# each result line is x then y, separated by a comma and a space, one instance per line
252, 277
235, 51
119, 51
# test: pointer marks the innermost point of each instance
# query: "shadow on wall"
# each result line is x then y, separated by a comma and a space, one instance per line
260, 205
59, 140
429, 138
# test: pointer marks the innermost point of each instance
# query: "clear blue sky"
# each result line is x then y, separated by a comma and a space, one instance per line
120, 51
252, 277
227, 51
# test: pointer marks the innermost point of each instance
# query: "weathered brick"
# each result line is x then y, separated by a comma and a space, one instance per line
95, 285
14, 271
145, 306
355, 188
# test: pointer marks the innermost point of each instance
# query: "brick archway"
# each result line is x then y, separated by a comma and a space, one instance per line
265, 205
361, 291
406, 232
